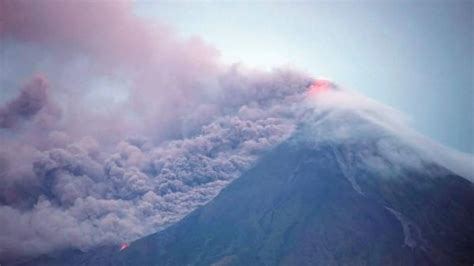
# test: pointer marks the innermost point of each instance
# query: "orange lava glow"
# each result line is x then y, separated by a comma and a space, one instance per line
123, 246
319, 86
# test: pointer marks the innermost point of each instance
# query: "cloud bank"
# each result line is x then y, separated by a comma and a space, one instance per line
114, 127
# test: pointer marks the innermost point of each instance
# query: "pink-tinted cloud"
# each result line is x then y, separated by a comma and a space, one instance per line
32, 98
107, 171
165, 71
105, 29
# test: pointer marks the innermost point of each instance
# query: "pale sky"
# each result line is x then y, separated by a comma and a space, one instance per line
417, 57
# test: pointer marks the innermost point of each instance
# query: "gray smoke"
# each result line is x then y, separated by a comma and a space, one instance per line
32, 99
80, 195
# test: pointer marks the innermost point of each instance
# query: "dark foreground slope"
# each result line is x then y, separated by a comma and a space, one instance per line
303, 205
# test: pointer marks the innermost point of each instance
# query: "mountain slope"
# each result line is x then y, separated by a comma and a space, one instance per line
306, 204
297, 208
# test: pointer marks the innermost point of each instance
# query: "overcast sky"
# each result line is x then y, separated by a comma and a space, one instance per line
416, 57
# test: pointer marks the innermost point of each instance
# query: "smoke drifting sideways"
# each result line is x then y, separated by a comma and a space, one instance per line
117, 128
376, 137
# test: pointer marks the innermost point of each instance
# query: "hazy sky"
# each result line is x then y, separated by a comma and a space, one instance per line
416, 57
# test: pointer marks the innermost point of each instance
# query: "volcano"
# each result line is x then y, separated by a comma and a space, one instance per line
321, 197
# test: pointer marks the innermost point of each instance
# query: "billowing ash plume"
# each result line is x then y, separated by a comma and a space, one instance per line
130, 128
91, 196
95, 196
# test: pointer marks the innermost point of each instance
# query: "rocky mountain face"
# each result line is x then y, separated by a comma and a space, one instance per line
310, 203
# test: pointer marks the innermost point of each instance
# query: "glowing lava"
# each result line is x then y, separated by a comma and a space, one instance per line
123, 246
319, 86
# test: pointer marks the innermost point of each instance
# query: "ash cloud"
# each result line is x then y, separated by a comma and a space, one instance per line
185, 128
33, 98
135, 128
94, 197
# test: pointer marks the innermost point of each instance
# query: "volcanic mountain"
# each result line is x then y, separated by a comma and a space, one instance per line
349, 187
